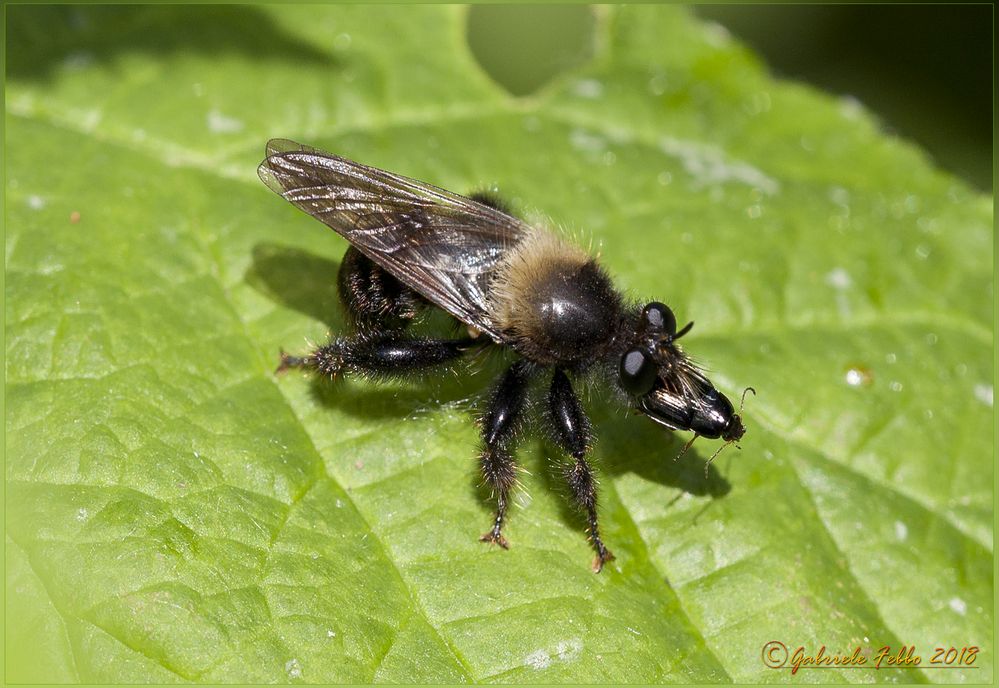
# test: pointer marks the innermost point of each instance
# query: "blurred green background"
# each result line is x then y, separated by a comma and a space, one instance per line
926, 70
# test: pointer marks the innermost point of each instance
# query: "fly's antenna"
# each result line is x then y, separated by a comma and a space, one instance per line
686, 328
686, 447
667, 338
743, 401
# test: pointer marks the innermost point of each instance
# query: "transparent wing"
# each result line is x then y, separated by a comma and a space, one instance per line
442, 245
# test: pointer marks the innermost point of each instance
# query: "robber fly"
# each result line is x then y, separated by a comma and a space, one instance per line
413, 245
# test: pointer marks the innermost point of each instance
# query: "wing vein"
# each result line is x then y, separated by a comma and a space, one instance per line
444, 246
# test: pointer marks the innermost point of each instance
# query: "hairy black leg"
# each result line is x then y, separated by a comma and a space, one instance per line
499, 425
571, 429
383, 355
372, 297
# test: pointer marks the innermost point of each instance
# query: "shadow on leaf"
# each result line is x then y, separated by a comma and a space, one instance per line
44, 38
306, 283
633, 445
636, 445
298, 280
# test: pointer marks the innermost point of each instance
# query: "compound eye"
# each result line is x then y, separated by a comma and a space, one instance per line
638, 372
657, 317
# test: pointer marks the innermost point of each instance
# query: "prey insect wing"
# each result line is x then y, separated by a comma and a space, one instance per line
442, 245
679, 395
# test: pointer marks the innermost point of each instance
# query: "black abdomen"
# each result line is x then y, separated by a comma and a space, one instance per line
374, 297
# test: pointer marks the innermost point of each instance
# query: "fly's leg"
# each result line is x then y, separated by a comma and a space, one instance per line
571, 430
381, 355
375, 300
380, 307
499, 425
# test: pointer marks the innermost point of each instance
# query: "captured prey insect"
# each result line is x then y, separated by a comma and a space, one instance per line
413, 245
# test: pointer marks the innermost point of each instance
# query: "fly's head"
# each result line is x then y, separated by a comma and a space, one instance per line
734, 429
653, 360
667, 387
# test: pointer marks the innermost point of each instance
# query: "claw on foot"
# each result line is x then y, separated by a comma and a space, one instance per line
288, 361
603, 556
495, 537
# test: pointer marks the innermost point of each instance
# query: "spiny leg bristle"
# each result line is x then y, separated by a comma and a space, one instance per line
288, 361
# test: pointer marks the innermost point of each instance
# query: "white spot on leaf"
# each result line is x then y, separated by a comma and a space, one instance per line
839, 278
588, 88
581, 139
564, 651
88, 119
569, 650
657, 84
984, 393
709, 166
220, 124
855, 377
538, 660
901, 531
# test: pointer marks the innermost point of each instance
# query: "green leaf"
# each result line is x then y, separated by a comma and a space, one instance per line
176, 512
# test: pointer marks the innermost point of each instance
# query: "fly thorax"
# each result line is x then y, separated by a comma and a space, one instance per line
555, 304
